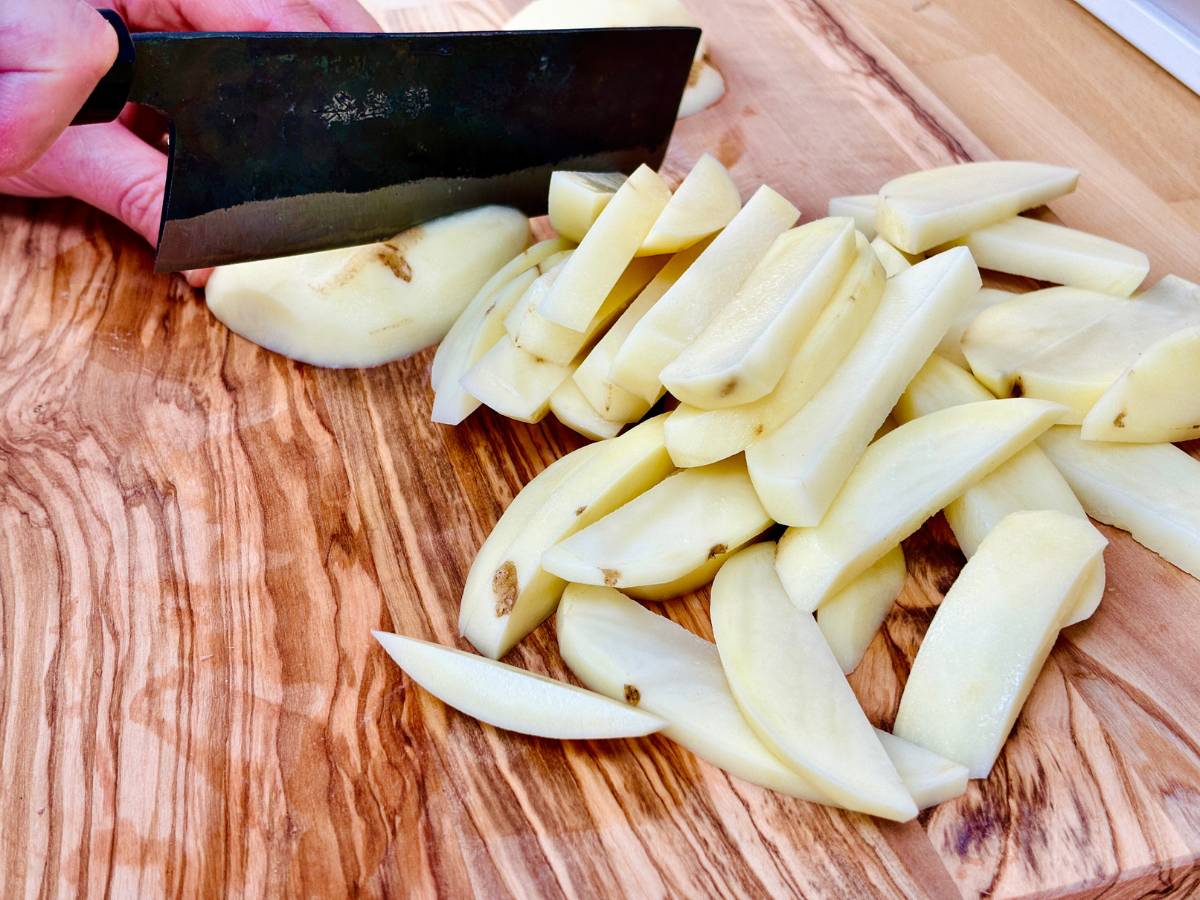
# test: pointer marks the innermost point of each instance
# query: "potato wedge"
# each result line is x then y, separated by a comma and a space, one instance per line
577, 198
792, 692
515, 594
698, 437
1049, 252
930, 779
924, 209
704, 203
1027, 481
605, 251
893, 261
514, 383
853, 616
706, 85
1068, 345
513, 699
685, 584
992, 634
1156, 400
951, 345
799, 467
666, 532
903, 479
689, 305
622, 650
859, 207
743, 352
364, 306
572, 409
1150, 490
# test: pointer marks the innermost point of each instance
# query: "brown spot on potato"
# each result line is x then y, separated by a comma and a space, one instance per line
611, 576
758, 429
580, 510
694, 72
716, 550
727, 387
504, 588
632, 695
1119, 421
1017, 389
390, 255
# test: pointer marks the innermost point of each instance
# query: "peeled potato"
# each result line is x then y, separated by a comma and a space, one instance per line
894, 261
851, 618
705, 87
859, 207
578, 198
571, 408
704, 203
951, 345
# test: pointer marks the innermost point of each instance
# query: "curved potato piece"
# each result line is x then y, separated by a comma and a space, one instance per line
704, 203
852, 617
894, 261
577, 198
572, 409
859, 207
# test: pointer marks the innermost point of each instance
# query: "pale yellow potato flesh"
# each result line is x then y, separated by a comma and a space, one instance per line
620, 649
705, 87
697, 437
515, 594
924, 209
852, 617
572, 409
1027, 481
666, 532
605, 251
743, 352
991, 635
513, 699
859, 207
931, 779
790, 688
951, 345
514, 383
1156, 400
800, 466
594, 374
901, 480
689, 305
576, 200
894, 261
540, 288
1150, 490
704, 203
364, 306
685, 584
1060, 255
1068, 345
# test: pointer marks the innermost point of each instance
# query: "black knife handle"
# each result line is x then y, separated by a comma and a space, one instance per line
112, 93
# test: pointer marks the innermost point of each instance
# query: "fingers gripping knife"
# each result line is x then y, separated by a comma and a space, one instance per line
290, 143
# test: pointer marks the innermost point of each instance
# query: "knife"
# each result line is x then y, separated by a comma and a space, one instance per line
291, 143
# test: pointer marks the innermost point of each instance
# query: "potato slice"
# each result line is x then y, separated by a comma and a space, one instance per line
992, 634
624, 651
1156, 400
853, 616
1150, 490
364, 306
697, 437
893, 261
800, 466
572, 409
515, 383
513, 699
606, 250
792, 691
577, 198
745, 349
929, 778
924, 209
951, 345
593, 375
705, 87
514, 594
1068, 345
687, 308
685, 584
1049, 252
859, 207
666, 532
704, 203
903, 479
1027, 481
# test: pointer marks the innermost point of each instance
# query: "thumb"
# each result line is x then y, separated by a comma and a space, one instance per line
52, 54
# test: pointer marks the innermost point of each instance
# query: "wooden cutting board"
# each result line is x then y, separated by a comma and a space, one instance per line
196, 537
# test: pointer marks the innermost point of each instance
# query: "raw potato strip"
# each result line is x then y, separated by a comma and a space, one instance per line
1028, 481
902, 480
593, 374
1156, 400
572, 409
930, 778
666, 532
924, 209
605, 251
894, 261
792, 691
985, 298
859, 207
515, 383
1150, 490
686, 309
799, 468
577, 199
992, 634
622, 650
513, 699
697, 437
1049, 252
704, 203
518, 593
685, 584
744, 351
853, 616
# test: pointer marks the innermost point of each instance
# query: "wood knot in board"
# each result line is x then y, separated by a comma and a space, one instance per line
632, 695
504, 588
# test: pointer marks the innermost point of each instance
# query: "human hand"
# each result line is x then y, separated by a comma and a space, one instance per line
53, 52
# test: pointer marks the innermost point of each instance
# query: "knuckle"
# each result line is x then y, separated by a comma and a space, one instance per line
139, 205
